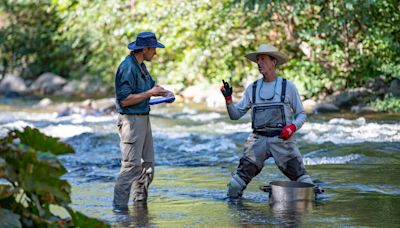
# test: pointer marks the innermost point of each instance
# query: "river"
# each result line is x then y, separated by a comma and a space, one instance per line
355, 159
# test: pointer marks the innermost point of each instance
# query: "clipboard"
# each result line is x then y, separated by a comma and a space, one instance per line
160, 100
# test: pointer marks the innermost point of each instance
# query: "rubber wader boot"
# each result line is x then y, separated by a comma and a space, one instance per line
236, 187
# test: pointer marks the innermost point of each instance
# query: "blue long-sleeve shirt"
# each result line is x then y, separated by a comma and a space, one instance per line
129, 79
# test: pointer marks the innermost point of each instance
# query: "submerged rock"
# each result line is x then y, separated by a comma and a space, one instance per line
361, 109
45, 102
325, 107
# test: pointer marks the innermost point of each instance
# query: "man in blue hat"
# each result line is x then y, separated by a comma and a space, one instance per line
133, 88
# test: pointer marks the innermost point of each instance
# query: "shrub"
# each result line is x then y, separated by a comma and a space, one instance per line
388, 104
30, 182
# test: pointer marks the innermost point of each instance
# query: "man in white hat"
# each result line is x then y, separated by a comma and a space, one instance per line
277, 112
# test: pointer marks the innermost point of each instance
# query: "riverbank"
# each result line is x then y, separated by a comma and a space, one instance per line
61, 106
375, 97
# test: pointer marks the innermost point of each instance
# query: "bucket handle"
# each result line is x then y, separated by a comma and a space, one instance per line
268, 189
318, 190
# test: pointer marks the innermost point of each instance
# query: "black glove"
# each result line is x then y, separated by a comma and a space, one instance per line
227, 92
226, 89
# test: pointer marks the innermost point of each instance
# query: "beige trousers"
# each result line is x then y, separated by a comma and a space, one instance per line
137, 159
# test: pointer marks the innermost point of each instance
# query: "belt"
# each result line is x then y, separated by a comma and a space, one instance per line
136, 114
268, 133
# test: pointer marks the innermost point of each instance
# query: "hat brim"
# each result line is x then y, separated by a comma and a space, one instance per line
280, 57
132, 46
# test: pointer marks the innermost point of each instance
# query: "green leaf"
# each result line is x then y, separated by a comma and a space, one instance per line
42, 177
35, 139
38, 177
9, 155
6, 191
3, 168
9, 219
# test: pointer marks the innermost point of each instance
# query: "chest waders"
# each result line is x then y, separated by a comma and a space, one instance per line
268, 119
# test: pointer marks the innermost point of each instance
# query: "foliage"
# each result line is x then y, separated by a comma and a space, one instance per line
30, 174
332, 45
203, 38
31, 43
388, 104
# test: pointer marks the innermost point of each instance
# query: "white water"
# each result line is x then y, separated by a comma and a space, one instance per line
211, 136
331, 160
343, 131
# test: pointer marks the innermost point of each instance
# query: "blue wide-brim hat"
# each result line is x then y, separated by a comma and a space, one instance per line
145, 40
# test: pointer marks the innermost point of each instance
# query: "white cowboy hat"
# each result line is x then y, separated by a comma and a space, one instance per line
270, 50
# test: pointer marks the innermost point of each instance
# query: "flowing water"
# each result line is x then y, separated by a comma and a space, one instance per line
355, 159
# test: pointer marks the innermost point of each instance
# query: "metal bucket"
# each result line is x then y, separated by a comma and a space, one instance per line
286, 191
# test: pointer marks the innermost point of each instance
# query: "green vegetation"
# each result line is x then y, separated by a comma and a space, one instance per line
30, 182
333, 45
31, 41
388, 104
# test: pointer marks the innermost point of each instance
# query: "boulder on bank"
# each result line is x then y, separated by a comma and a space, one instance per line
309, 105
209, 94
47, 84
88, 107
91, 85
394, 87
68, 89
105, 105
52, 84
13, 85
45, 102
350, 97
195, 93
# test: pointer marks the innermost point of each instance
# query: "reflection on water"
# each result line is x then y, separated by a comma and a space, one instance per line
288, 214
137, 215
357, 161
291, 212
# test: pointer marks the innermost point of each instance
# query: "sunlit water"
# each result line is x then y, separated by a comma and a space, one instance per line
356, 161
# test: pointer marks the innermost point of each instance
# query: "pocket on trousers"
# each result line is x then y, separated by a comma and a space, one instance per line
126, 129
